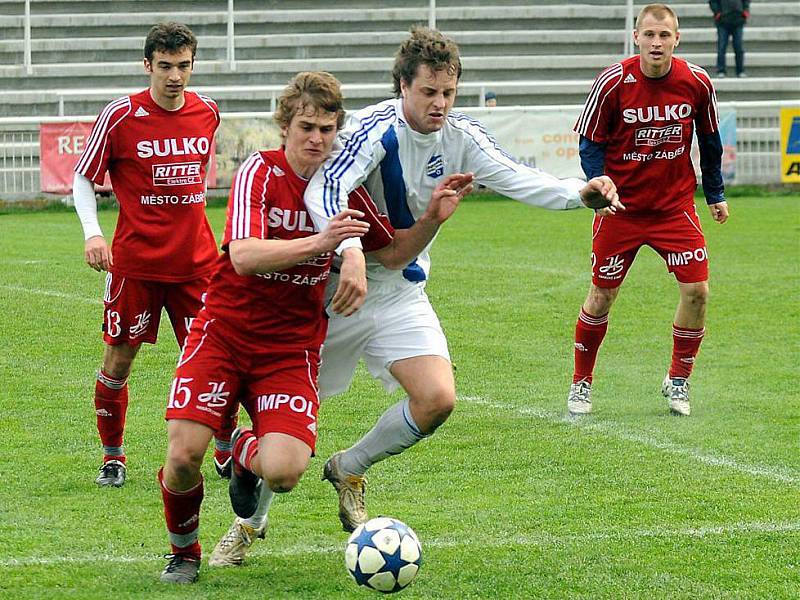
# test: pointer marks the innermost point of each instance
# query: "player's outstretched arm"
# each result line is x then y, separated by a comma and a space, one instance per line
96, 251
409, 243
719, 211
252, 256
600, 193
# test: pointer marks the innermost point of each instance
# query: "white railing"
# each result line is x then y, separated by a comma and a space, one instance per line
757, 124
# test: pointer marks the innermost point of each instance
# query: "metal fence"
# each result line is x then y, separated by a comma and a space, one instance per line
758, 153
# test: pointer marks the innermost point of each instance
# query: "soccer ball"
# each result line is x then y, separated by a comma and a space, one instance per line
383, 554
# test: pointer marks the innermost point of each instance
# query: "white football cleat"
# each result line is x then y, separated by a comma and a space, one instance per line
232, 548
579, 401
676, 390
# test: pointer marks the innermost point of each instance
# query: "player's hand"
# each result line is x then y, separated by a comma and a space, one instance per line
341, 227
719, 211
447, 195
352, 289
98, 254
600, 193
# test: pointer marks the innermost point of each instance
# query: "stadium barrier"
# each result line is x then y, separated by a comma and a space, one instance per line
539, 136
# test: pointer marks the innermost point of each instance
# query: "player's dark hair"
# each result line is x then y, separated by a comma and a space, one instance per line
317, 90
169, 37
659, 11
425, 46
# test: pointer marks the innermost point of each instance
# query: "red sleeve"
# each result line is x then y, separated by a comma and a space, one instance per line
247, 204
707, 120
593, 122
93, 163
381, 231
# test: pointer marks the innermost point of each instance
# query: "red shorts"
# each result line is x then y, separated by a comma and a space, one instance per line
132, 310
218, 369
678, 238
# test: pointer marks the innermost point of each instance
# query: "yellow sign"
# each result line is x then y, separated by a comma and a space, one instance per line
790, 145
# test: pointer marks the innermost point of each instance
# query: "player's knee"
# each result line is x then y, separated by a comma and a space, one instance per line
696, 294
283, 478
436, 409
184, 462
600, 299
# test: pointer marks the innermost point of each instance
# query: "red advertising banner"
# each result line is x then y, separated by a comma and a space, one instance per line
60, 147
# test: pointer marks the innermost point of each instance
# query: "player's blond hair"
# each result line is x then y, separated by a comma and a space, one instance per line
429, 47
317, 90
170, 37
659, 11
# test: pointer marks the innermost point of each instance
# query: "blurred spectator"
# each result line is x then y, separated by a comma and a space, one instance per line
730, 17
490, 99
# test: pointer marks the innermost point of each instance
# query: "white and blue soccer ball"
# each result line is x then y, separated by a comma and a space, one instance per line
383, 554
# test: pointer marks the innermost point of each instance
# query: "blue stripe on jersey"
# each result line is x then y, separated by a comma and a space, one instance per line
332, 173
394, 192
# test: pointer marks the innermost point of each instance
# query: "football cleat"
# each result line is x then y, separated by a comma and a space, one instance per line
351, 490
112, 473
676, 390
232, 548
223, 467
579, 401
180, 569
244, 488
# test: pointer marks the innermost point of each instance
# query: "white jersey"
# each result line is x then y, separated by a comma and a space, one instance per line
401, 167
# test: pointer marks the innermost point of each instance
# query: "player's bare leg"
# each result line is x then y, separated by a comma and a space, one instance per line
279, 460
590, 329
182, 493
687, 333
431, 398
111, 405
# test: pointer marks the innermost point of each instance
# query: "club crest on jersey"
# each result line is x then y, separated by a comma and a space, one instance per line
646, 114
654, 136
173, 147
435, 166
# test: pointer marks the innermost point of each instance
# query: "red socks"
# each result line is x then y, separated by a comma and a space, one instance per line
685, 346
182, 513
245, 450
589, 334
111, 405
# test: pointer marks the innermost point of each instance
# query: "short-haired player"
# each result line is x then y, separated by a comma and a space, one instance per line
257, 339
636, 127
156, 147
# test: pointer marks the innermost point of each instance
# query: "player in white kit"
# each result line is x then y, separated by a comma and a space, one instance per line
400, 150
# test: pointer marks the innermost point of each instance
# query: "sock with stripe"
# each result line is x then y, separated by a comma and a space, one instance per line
111, 406
245, 451
182, 513
222, 440
685, 346
589, 333
394, 432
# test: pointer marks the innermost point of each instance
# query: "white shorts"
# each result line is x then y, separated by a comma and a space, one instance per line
396, 321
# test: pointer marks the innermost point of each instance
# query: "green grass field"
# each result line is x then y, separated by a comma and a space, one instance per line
510, 498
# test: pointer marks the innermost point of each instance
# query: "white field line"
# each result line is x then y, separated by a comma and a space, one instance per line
64, 295
614, 430
496, 541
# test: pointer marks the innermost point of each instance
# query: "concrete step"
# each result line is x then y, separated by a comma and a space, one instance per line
261, 98
361, 70
368, 44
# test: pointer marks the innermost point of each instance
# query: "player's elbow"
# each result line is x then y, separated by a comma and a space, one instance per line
242, 259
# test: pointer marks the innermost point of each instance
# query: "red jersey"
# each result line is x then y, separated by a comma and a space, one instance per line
157, 162
284, 307
647, 126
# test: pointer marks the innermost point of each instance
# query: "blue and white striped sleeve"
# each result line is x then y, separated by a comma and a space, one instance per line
496, 169
358, 152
